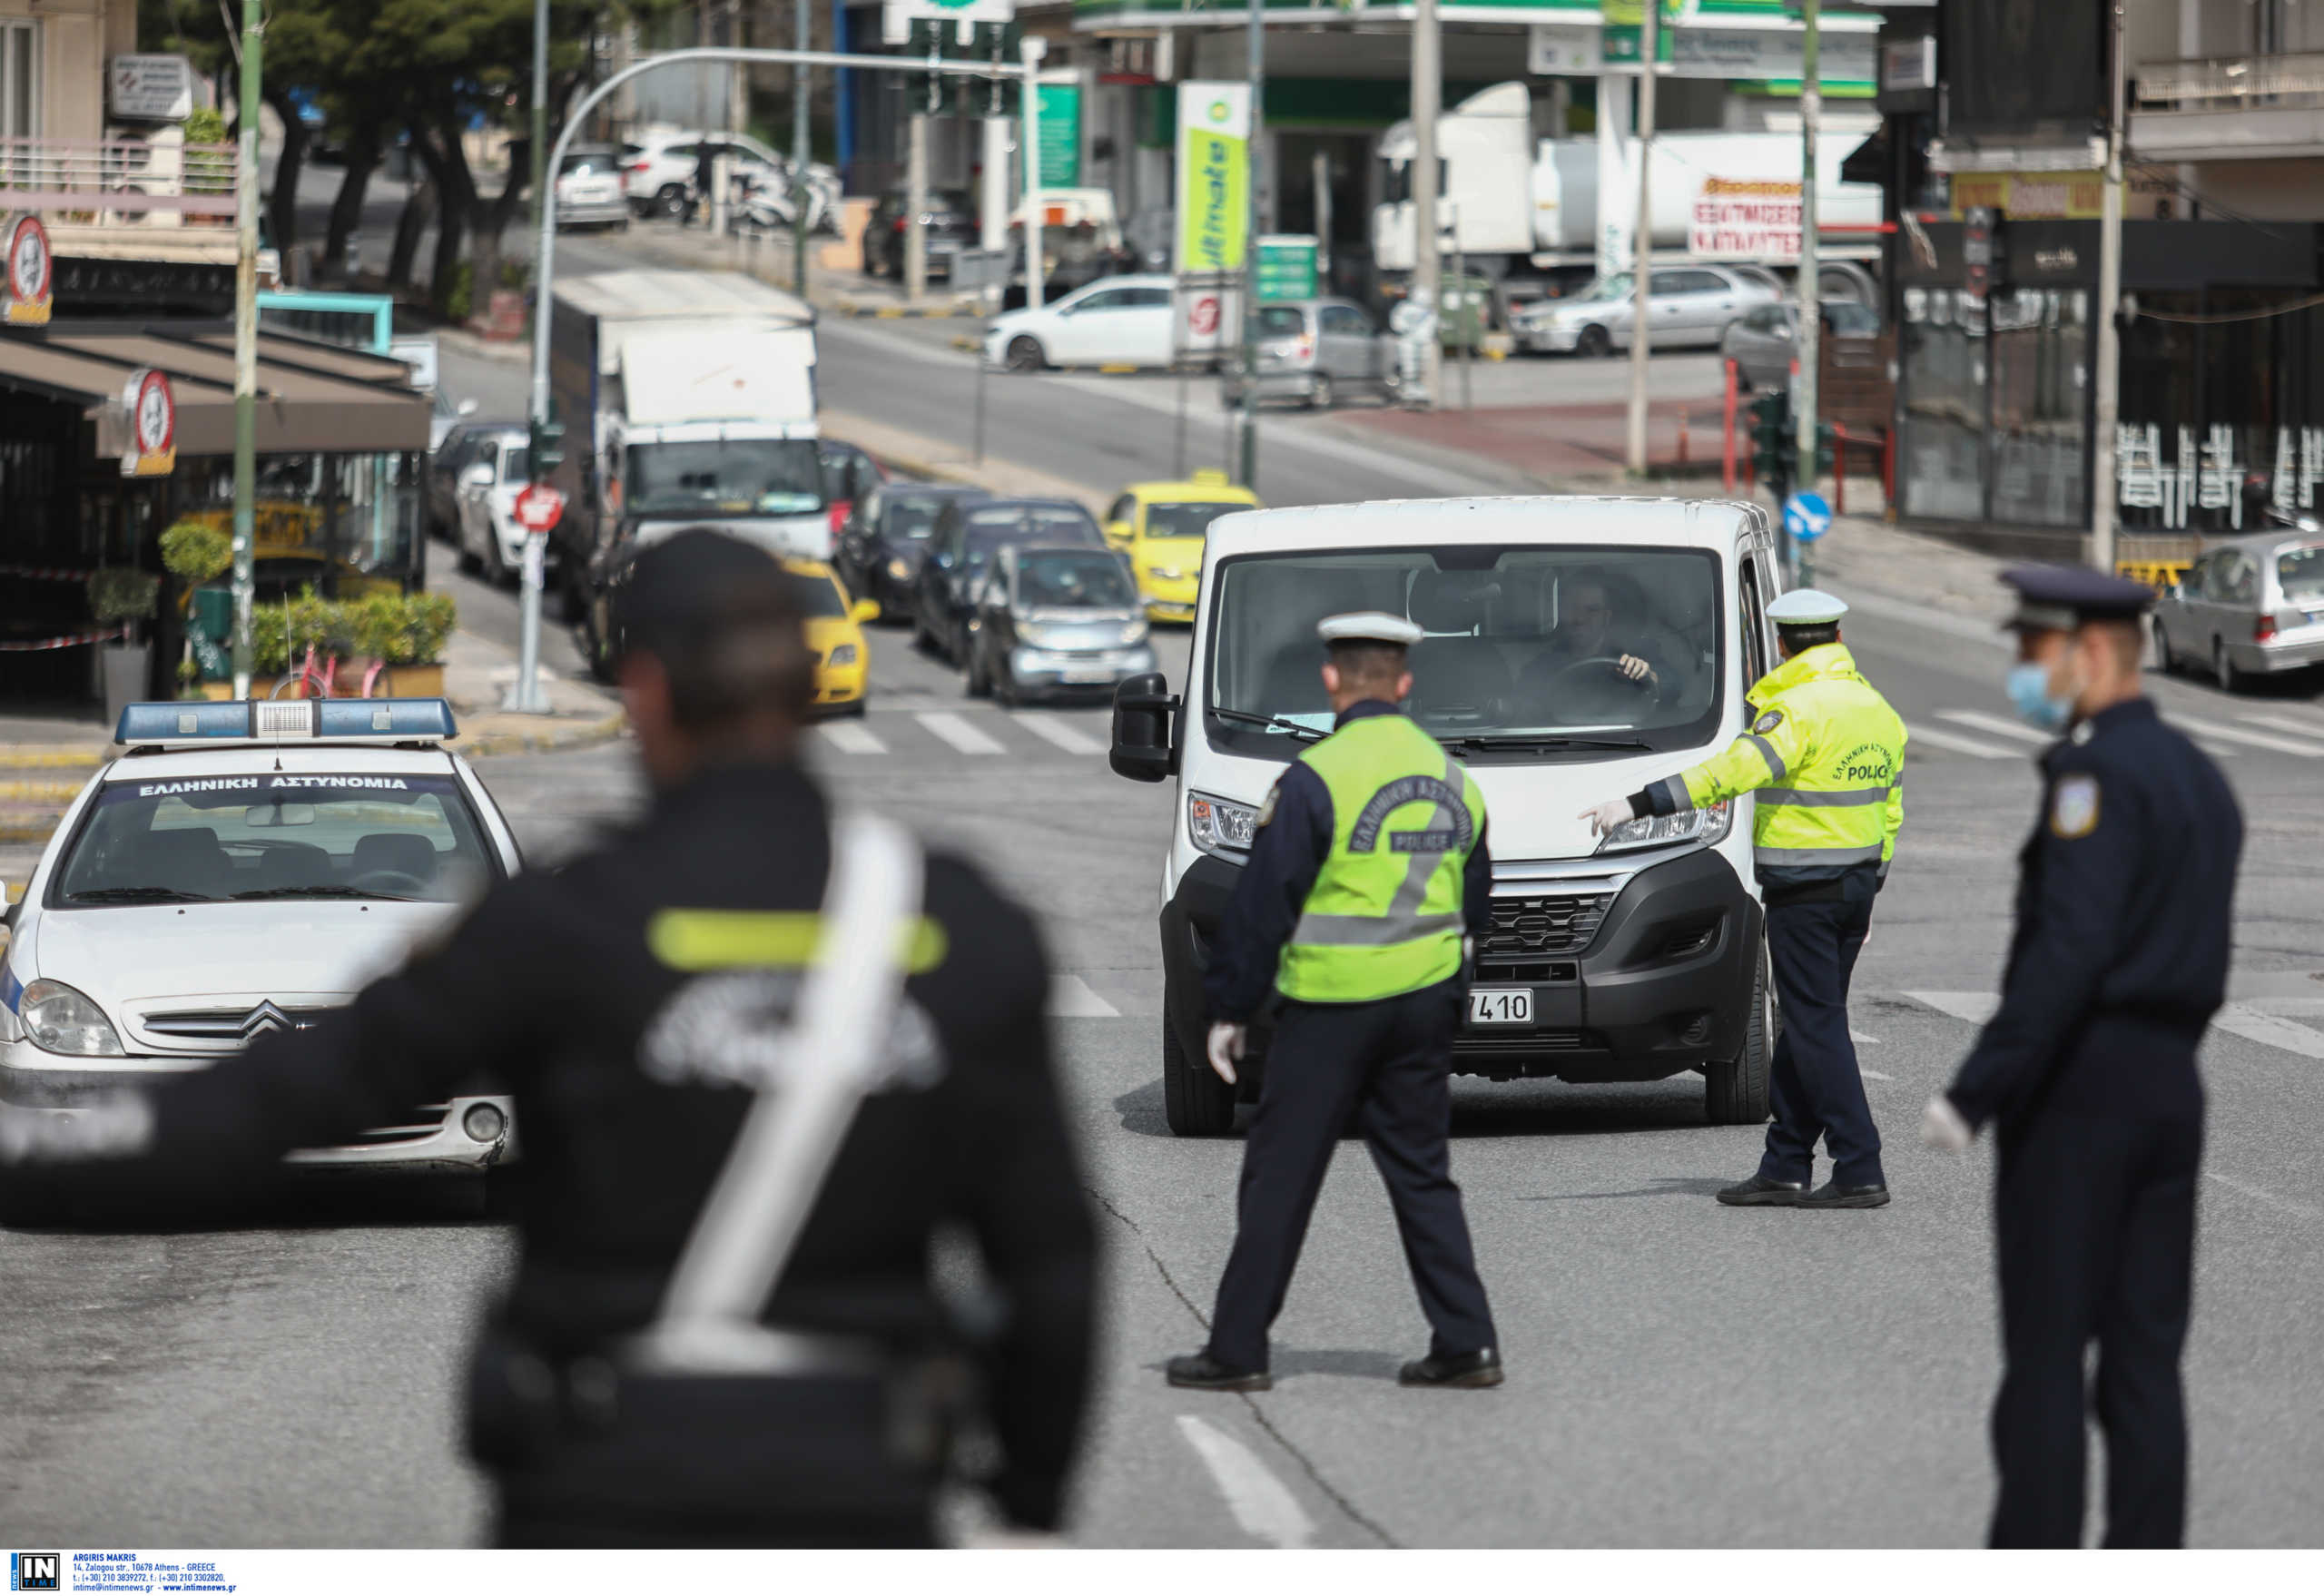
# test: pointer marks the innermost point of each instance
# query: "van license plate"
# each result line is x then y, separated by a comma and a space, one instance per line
1501, 1006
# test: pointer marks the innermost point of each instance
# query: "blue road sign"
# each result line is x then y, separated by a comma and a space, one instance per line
1807, 516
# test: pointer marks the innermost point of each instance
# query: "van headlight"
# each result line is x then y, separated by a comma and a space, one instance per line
62, 1020
1705, 825
1220, 827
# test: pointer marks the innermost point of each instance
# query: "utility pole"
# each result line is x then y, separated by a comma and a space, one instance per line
916, 203
540, 110
1810, 287
2109, 362
525, 693
1033, 49
1427, 93
798, 87
1255, 74
1642, 234
246, 342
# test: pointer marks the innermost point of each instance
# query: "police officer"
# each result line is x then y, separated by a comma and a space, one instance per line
1368, 869
2088, 1071
559, 985
1826, 757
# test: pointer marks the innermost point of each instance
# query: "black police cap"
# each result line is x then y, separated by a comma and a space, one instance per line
2058, 598
692, 582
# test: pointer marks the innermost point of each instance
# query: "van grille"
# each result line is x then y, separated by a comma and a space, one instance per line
1543, 927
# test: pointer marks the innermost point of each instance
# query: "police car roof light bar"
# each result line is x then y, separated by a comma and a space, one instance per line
288, 720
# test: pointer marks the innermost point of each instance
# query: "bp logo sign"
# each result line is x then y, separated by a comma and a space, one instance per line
1220, 110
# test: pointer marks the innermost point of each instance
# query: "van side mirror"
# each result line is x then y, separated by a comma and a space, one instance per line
1142, 707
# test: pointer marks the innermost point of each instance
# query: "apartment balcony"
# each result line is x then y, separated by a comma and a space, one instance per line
126, 199
2238, 108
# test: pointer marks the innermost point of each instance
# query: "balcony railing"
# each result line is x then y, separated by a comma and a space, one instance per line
110, 180
2233, 83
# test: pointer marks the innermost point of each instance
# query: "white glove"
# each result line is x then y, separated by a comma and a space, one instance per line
1225, 1046
1941, 1126
1614, 811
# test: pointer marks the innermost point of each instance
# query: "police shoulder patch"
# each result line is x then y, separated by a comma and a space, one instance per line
2074, 806
1768, 721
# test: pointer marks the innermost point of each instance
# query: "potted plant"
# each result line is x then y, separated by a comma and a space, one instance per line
208, 159
197, 551
123, 595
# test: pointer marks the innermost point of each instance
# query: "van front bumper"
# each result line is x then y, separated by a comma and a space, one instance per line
1650, 982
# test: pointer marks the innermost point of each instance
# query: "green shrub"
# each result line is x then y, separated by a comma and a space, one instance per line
459, 298
205, 127
404, 630
197, 551
121, 592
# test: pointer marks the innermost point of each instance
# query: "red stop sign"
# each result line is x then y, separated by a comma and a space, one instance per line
1202, 316
538, 507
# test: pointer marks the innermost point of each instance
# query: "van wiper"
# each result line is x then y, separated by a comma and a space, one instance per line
136, 895
1508, 744
1273, 722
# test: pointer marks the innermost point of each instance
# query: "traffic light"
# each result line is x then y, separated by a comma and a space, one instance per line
547, 444
946, 94
1775, 441
1826, 447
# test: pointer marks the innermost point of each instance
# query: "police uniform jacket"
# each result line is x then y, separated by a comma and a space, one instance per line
1286, 855
2120, 956
546, 992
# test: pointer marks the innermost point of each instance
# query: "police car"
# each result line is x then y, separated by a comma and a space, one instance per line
243, 867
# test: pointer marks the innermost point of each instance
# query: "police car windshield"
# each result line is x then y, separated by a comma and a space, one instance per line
1522, 651
275, 835
1186, 520
727, 477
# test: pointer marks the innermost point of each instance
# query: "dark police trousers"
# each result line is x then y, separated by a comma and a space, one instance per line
1814, 1085
2095, 1220
1387, 1066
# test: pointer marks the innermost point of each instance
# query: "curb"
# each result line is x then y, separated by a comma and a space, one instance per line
904, 312
491, 744
60, 758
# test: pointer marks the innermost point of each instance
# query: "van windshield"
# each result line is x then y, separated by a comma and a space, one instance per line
1523, 648
726, 477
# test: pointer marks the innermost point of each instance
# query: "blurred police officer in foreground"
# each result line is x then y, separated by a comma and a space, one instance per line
1368, 870
1825, 756
2088, 1071
558, 986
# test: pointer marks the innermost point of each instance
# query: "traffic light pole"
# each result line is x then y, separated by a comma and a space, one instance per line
527, 692
1810, 283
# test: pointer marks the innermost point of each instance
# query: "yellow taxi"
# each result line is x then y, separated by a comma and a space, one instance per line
835, 632
1160, 527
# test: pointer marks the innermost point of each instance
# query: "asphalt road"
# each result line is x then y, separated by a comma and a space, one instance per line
1680, 1374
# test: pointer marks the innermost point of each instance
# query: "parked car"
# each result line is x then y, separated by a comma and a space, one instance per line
445, 463
849, 474
948, 222
589, 188
1315, 350
2250, 607
1115, 321
444, 416
880, 547
1056, 623
1691, 307
659, 176
489, 538
1762, 343
968, 533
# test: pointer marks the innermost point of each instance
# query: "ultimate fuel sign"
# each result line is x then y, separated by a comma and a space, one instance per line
1214, 176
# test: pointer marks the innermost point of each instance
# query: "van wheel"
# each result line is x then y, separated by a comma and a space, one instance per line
1594, 344
1736, 1090
1194, 1102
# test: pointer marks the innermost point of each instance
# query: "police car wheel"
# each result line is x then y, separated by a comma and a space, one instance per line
1194, 1102
1735, 1090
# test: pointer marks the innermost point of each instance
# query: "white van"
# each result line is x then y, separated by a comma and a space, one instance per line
1634, 959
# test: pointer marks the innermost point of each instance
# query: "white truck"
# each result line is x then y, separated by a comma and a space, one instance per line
689, 400
1512, 201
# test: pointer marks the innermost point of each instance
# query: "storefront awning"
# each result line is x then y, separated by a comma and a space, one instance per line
312, 399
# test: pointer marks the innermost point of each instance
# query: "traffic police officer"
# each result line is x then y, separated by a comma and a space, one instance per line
2088, 1071
559, 985
1368, 869
1826, 756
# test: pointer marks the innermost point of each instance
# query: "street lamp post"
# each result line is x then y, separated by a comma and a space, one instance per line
246, 344
1810, 282
1254, 71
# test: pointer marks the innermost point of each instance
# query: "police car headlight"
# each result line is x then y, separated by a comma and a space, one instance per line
844, 655
1220, 827
1705, 825
62, 1020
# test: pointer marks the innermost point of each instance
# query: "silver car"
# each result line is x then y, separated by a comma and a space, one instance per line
1056, 623
589, 188
1763, 344
2250, 607
1316, 350
1686, 305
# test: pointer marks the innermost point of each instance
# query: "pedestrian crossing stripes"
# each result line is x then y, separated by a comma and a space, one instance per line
956, 731
850, 738
1952, 743
1058, 733
2248, 1021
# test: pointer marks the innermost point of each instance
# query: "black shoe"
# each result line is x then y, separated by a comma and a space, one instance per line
1759, 1192
1833, 1195
1464, 1372
1200, 1370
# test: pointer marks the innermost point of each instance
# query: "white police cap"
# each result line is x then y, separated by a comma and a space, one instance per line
1371, 626
1806, 607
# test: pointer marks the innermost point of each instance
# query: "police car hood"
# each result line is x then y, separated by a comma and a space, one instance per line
316, 951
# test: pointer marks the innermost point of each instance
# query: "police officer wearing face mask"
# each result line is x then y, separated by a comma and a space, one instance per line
2087, 1071
631, 1001
1368, 870
1825, 759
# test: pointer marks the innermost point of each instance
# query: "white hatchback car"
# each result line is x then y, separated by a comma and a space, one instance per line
1114, 321
243, 868
491, 540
